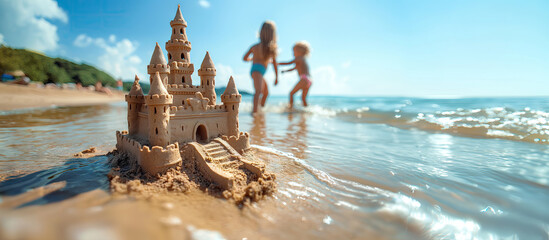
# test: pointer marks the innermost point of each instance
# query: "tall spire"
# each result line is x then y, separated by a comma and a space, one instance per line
158, 56
178, 19
156, 86
136, 88
231, 88
207, 62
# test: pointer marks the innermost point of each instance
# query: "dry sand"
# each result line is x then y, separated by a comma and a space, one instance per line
18, 97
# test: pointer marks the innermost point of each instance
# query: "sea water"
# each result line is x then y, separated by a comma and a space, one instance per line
350, 167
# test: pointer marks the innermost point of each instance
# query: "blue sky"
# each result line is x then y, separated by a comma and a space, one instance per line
371, 48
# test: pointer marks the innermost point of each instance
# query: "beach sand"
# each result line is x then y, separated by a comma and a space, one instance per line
19, 97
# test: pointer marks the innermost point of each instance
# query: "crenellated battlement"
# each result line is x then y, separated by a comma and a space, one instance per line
184, 87
159, 149
178, 44
135, 98
158, 99
186, 109
233, 98
122, 138
181, 67
160, 68
206, 72
178, 22
157, 159
240, 142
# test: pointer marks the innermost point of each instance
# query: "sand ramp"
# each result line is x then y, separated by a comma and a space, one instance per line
222, 164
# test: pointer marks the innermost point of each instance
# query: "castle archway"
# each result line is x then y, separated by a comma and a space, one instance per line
201, 133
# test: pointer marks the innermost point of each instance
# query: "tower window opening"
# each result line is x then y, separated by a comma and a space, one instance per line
233, 107
181, 30
169, 56
207, 82
182, 56
130, 107
182, 128
156, 129
174, 31
183, 79
154, 110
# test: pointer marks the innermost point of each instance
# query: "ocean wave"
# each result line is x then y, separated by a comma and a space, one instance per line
525, 125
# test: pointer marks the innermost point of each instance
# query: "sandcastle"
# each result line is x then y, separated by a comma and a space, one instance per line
178, 122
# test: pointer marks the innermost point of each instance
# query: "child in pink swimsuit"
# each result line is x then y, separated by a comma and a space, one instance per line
301, 51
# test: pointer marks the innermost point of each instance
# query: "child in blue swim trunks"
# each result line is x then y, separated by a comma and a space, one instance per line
301, 51
263, 53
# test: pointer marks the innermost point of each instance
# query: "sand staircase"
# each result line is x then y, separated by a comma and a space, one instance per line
218, 153
220, 162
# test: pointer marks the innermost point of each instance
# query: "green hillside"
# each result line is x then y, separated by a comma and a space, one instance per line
41, 68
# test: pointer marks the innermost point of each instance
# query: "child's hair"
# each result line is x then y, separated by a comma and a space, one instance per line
305, 46
268, 39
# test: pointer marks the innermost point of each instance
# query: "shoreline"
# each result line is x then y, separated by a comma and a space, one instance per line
16, 97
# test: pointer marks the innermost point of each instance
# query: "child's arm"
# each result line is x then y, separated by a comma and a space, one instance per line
289, 70
287, 63
247, 57
275, 65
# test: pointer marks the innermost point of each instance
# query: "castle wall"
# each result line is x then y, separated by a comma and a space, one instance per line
127, 145
143, 131
181, 92
183, 127
153, 160
158, 159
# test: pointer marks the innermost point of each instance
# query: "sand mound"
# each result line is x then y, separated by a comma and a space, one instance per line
126, 177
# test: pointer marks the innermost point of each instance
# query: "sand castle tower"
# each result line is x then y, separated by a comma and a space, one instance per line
158, 64
207, 78
231, 99
159, 102
178, 48
135, 99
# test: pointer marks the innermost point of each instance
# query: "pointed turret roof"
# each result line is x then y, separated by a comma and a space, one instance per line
231, 88
156, 86
207, 62
178, 17
136, 88
158, 56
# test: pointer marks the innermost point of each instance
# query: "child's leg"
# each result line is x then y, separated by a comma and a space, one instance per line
297, 87
258, 85
304, 94
265, 92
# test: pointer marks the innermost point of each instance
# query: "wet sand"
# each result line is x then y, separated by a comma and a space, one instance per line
189, 214
20, 97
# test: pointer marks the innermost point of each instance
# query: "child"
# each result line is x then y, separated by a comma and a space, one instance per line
263, 52
301, 50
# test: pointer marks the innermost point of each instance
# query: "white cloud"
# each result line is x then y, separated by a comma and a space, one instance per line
118, 58
1, 39
204, 3
82, 40
28, 23
346, 64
